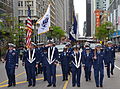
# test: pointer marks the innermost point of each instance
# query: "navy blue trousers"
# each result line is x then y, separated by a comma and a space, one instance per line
87, 72
65, 71
76, 75
110, 68
10, 74
99, 75
51, 73
31, 74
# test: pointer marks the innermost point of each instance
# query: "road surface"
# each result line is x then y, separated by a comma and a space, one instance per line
112, 83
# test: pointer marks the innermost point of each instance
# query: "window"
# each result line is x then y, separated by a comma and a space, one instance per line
32, 12
26, 12
32, 3
20, 12
26, 3
20, 3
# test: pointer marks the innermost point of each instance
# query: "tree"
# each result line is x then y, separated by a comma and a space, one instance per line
104, 31
56, 32
10, 29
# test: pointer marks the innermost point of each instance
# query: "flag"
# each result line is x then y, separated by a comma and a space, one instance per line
29, 29
73, 32
44, 22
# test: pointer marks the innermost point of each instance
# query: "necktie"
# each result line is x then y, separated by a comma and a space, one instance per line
77, 57
31, 51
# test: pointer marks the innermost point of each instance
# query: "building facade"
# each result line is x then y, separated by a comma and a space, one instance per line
88, 18
38, 9
114, 17
98, 7
6, 6
102, 4
93, 18
84, 29
59, 13
68, 13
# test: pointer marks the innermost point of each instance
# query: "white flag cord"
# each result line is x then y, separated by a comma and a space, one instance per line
31, 58
77, 64
50, 61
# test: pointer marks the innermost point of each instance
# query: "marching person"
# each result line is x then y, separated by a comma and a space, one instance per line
11, 64
87, 61
41, 52
98, 65
40, 47
76, 66
65, 59
110, 57
70, 50
30, 61
50, 58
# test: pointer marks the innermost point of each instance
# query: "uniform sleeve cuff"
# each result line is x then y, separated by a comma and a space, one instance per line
37, 62
16, 64
83, 64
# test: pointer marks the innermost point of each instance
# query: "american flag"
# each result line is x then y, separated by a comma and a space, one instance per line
29, 29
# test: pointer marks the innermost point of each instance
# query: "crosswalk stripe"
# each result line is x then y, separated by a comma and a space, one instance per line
58, 75
66, 83
117, 67
16, 77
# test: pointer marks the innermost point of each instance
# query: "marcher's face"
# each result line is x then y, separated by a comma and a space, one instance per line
75, 49
65, 49
10, 48
98, 48
87, 50
109, 45
39, 46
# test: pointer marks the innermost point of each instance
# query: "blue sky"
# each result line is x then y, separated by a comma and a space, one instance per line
80, 8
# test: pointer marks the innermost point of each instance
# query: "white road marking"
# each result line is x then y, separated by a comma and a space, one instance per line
117, 67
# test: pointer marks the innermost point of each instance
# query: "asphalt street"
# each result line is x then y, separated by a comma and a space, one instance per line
112, 83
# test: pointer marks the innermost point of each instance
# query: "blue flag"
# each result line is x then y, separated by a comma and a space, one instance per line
73, 32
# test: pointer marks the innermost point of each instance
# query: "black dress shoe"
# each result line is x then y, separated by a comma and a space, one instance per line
89, 78
63, 80
14, 84
111, 72
54, 85
97, 86
73, 85
78, 85
45, 79
33, 85
49, 85
101, 85
29, 85
9, 85
86, 80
